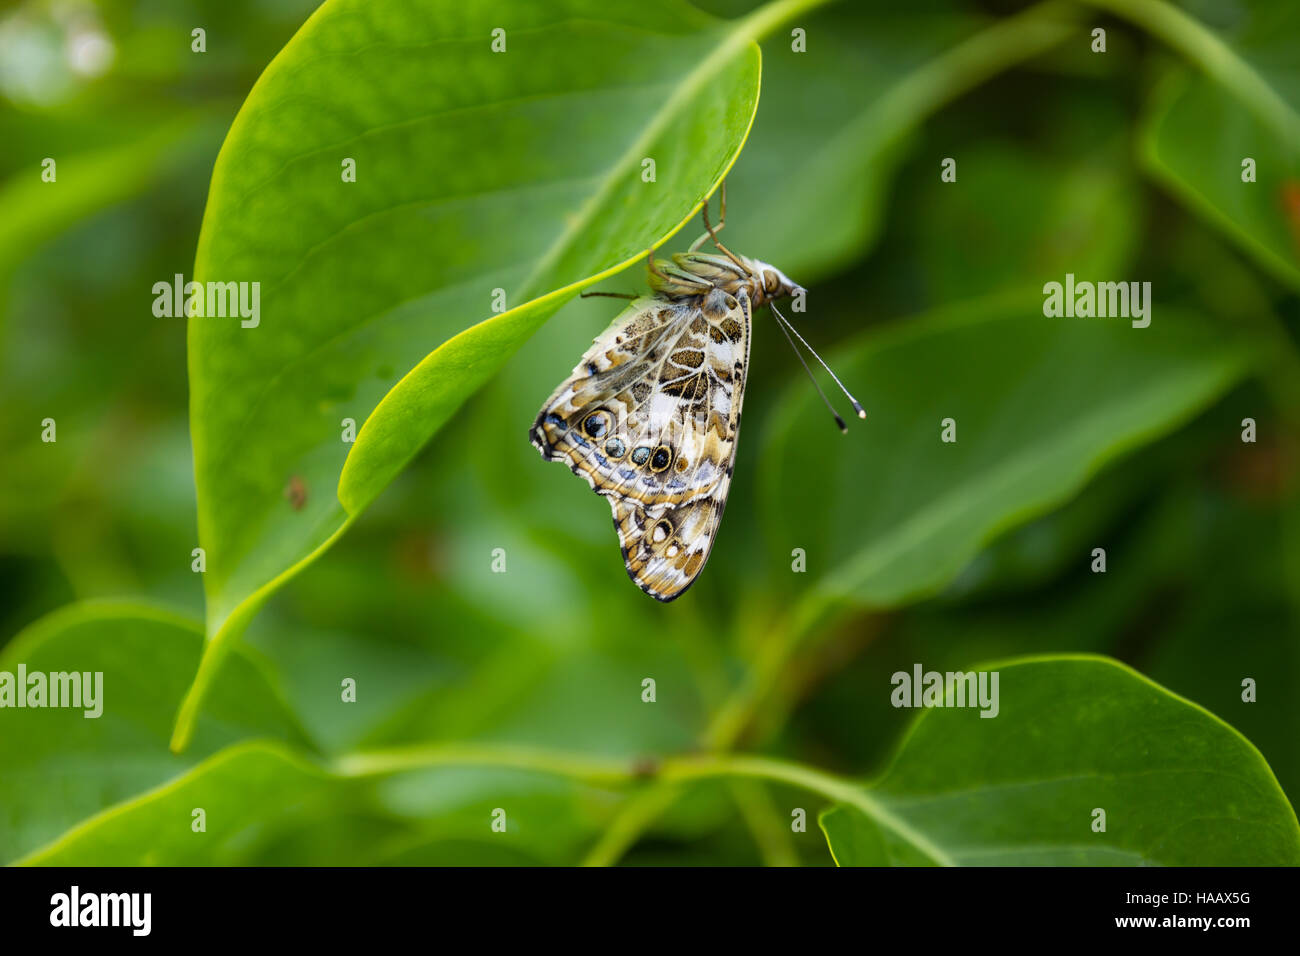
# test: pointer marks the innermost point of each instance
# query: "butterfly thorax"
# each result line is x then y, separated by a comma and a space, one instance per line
701, 273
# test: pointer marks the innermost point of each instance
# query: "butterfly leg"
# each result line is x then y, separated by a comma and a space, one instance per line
713, 233
710, 231
650, 264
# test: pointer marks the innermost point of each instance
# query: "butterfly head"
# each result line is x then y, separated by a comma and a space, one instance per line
769, 282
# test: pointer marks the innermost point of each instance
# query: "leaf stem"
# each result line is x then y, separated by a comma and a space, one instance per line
591, 770
632, 819
218, 646
765, 823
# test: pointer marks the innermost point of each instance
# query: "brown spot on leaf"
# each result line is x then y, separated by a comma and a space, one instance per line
644, 767
296, 493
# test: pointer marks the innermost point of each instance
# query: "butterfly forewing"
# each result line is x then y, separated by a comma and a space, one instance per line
650, 418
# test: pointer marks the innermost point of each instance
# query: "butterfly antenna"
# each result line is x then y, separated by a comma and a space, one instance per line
785, 324
781, 324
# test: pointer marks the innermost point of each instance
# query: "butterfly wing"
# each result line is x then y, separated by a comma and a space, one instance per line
650, 418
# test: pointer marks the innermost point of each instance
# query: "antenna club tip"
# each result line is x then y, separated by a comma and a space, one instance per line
862, 413
843, 427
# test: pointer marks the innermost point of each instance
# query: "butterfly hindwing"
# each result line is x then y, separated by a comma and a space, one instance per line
649, 418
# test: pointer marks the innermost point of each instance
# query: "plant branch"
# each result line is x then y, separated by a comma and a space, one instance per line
671, 773
765, 823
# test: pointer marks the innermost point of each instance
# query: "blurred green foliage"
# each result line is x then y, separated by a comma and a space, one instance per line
1073, 434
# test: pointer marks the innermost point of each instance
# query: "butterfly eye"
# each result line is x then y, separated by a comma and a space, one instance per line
661, 459
596, 424
615, 448
640, 455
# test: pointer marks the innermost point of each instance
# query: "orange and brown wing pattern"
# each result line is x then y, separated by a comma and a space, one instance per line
649, 418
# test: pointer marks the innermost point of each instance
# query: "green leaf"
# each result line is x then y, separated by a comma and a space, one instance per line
1262, 217
1248, 93
245, 793
477, 173
58, 766
1179, 787
1047, 402
1231, 554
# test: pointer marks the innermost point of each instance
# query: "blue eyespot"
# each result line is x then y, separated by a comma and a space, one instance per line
640, 455
596, 425
615, 448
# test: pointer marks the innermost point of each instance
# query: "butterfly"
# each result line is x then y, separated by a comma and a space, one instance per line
651, 414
